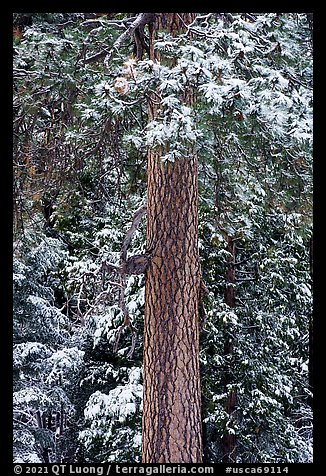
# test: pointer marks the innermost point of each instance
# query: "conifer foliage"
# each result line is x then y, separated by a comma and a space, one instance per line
95, 95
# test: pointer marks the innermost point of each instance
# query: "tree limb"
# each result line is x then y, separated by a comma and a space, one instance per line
135, 223
141, 19
136, 264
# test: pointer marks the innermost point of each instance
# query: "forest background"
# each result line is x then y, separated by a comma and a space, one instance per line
82, 135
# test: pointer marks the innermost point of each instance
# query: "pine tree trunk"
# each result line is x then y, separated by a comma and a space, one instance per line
172, 405
229, 440
171, 414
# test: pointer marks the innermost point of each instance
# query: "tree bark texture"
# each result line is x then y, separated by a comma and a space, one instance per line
172, 430
229, 440
174, 23
171, 409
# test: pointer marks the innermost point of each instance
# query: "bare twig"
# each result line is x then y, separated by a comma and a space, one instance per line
141, 19
135, 223
126, 322
250, 17
129, 266
134, 265
97, 301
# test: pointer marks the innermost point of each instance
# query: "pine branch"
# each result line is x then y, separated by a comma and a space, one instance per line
135, 223
141, 20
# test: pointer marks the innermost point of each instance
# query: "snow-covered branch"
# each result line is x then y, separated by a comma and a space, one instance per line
141, 20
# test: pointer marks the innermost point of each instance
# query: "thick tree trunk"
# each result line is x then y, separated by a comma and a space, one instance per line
229, 439
171, 411
172, 408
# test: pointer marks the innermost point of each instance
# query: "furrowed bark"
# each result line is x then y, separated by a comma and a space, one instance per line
172, 419
171, 408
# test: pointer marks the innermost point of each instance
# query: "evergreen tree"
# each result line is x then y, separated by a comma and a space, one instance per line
96, 96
